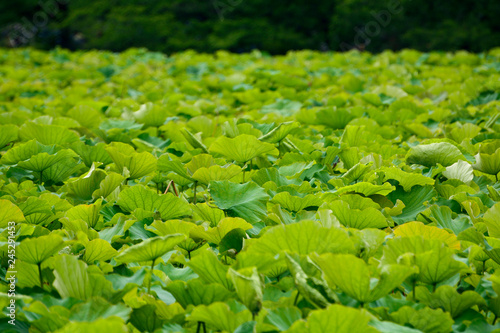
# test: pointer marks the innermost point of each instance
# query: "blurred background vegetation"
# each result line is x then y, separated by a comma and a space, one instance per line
242, 25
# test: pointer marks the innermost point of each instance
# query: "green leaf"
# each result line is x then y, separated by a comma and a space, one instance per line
207, 213
72, 279
247, 283
263, 176
108, 185
9, 213
25, 151
100, 325
8, 133
291, 238
150, 114
165, 164
283, 317
98, 249
242, 148
414, 202
426, 320
284, 107
216, 173
233, 240
448, 299
171, 227
59, 172
390, 327
427, 232
29, 277
354, 277
406, 179
247, 201
492, 220
98, 308
367, 189
308, 279
145, 319
36, 211
43, 161
86, 115
280, 132
47, 134
219, 316
150, 249
35, 156
433, 258
210, 269
460, 170
194, 292
367, 242
83, 186
336, 318
138, 164
139, 197
91, 154
334, 118
488, 158
295, 203
356, 218
48, 319
194, 140
37, 250
215, 235
87, 213
431, 154
356, 172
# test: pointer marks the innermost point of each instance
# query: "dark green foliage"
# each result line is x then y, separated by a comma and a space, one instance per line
244, 25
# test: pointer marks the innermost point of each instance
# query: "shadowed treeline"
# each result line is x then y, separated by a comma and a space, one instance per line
243, 25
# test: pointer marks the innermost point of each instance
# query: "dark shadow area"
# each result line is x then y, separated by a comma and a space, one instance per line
242, 25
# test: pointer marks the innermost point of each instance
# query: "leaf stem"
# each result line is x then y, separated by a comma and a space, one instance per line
40, 274
194, 191
173, 187
296, 299
495, 320
151, 277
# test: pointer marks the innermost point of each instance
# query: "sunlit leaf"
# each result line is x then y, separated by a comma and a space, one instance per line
138, 164
139, 197
240, 200
72, 279
9, 213
98, 249
431, 154
242, 148
219, 316
150, 249
428, 232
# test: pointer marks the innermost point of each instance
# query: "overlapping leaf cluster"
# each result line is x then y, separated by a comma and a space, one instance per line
312, 192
